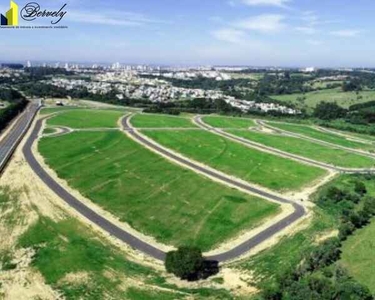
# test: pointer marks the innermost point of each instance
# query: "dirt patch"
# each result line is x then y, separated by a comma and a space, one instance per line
24, 282
77, 278
326, 236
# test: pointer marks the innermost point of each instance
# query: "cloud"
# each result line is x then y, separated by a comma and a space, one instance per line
229, 35
346, 33
279, 3
314, 42
110, 17
307, 30
263, 23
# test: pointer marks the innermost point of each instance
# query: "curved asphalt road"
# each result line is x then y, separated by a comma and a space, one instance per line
81, 207
298, 213
202, 124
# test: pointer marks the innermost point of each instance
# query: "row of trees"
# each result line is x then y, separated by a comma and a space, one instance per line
7, 114
318, 276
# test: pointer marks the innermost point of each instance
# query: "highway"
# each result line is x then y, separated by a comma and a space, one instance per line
11, 140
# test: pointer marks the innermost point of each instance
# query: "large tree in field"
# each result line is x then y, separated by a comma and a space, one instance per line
185, 263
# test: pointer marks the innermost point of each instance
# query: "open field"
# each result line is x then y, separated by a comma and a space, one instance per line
315, 151
330, 95
228, 122
50, 257
358, 256
232, 158
85, 118
151, 194
160, 121
323, 136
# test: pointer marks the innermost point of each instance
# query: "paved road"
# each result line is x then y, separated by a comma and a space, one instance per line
301, 136
135, 242
10, 142
199, 122
243, 248
81, 207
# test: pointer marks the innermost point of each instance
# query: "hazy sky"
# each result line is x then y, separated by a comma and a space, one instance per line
235, 32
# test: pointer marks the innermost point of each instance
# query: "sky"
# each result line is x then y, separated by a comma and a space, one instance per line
289, 33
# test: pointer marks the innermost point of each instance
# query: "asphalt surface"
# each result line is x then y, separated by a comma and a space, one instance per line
251, 144
298, 213
80, 207
11, 140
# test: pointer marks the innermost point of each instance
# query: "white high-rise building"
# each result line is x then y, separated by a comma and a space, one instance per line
28, 64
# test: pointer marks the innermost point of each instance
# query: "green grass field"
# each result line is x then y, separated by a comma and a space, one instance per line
228, 122
172, 204
307, 149
323, 136
232, 158
358, 256
330, 95
87, 118
160, 121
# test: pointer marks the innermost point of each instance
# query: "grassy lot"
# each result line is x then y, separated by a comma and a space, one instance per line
87, 118
172, 204
358, 256
311, 99
232, 158
67, 248
323, 136
308, 149
160, 121
228, 122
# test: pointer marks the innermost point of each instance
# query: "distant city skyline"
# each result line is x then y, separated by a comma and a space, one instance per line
286, 33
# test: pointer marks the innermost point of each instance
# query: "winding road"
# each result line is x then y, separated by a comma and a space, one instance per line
135, 242
23, 124
198, 120
298, 213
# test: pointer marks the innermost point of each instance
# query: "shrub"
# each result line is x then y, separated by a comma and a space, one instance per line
186, 263
360, 188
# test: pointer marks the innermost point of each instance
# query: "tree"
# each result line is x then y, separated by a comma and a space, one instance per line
186, 263
329, 111
360, 188
335, 194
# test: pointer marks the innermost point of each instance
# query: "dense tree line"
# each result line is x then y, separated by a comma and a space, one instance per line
7, 114
318, 276
329, 111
